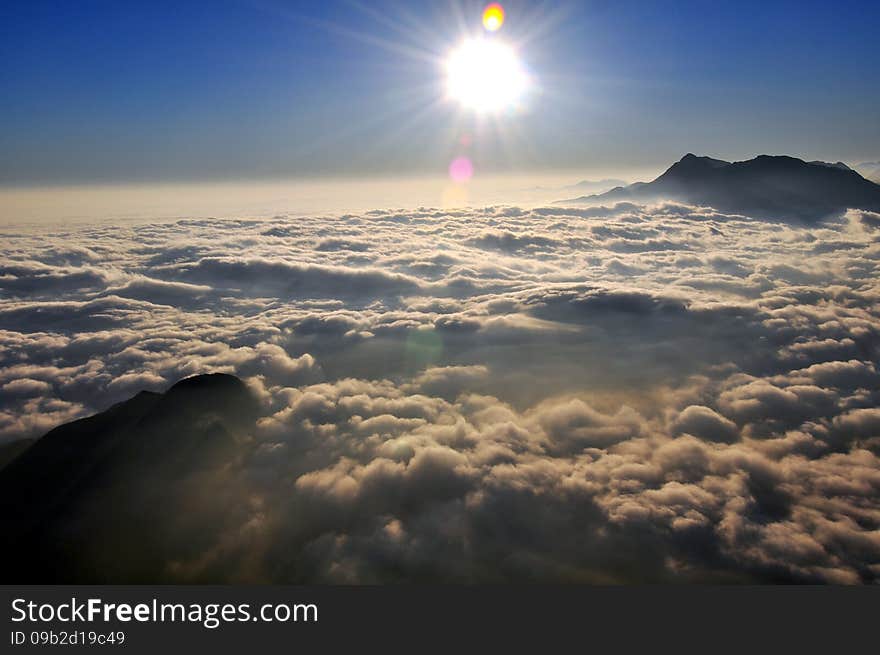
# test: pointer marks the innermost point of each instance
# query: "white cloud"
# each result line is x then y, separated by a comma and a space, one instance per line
604, 394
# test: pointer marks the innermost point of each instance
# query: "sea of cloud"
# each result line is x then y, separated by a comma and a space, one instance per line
603, 394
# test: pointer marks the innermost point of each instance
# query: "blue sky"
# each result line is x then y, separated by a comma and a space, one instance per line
249, 89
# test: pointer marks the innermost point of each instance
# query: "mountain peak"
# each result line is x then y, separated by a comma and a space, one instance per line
691, 163
218, 395
209, 381
704, 159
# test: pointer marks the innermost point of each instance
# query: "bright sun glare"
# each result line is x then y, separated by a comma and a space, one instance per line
485, 75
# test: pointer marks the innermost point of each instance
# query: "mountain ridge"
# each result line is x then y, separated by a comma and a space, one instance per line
89, 500
767, 186
869, 170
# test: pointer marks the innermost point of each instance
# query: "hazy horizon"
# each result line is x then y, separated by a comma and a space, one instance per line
149, 201
21, 205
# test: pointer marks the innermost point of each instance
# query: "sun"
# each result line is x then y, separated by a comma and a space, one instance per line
485, 75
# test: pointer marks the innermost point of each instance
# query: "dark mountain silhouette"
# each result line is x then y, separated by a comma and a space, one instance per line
90, 500
773, 187
9, 451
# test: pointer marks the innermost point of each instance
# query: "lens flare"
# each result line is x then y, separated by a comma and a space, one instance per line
493, 17
424, 347
461, 169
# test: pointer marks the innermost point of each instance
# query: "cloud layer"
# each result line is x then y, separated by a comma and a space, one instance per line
613, 394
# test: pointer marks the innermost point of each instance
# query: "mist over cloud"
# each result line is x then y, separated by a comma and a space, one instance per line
612, 394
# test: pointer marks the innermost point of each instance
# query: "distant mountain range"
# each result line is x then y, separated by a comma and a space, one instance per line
596, 185
585, 186
116, 496
773, 187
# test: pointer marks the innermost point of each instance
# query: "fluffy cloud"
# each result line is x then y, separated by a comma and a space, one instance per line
704, 423
607, 394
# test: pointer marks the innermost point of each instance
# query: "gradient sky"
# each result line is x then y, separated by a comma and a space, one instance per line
108, 91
